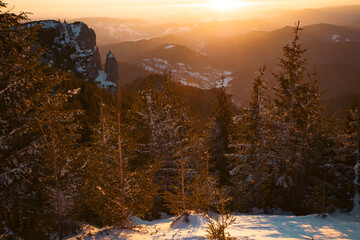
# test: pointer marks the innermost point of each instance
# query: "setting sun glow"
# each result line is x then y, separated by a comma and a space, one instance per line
224, 5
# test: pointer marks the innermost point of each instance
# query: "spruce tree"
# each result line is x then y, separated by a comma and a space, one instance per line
347, 165
22, 83
58, 144
252, 142
108, 180
177, 132
219, 139
300, 142
145, 158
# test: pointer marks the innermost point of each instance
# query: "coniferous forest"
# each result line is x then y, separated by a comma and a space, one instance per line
71, 152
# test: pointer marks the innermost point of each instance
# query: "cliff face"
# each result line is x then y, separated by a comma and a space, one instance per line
111, 69
71, 47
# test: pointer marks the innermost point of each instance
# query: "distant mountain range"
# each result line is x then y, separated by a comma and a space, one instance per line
201, 54
333, 50
113, 30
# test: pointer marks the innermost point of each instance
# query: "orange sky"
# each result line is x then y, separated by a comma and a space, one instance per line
158, 9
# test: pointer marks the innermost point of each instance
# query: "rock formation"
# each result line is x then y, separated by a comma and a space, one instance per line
70, 46
111, 69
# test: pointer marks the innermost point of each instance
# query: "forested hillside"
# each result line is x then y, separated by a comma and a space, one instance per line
72, 152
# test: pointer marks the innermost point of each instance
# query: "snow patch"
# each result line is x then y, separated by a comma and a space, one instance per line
335, 226
76, 29
110, 55
224, 83
189, 84
335, 38
188, 219
102, 82
204, 77
169, 47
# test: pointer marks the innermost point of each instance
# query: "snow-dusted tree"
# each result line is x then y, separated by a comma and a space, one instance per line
108, 180
299, 136
146, 153
22, 82
203, 184
252, 142
219, 139
59, 154
102, 188
176, 165
356, 207
350, 157
216, 229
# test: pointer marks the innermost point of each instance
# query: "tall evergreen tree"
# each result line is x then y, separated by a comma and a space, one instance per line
60, 133
348, 164
299, 137
23, 81
177, 131
145, 151
219, 140
253, 148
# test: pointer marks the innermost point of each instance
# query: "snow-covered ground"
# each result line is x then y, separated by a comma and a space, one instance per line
335, 226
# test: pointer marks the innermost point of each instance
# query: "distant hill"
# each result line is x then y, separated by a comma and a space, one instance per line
333, 50
339, 15
187, 66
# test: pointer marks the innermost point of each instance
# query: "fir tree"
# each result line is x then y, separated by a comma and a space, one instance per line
300, 142
177, 132
108, 167
145, 158
22, 83
219, 139
253, 147
60, 132
348, 164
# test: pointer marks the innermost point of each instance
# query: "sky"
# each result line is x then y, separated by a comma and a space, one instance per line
157, 9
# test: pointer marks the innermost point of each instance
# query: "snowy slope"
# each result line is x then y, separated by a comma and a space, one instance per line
187, 66
336, 226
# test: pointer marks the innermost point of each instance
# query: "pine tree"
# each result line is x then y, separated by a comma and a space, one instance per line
22, 82
203, 184
60, 133
144, 150
219, 140
253, 147
348, 164
101, 188
108, 180
178, 131
300, 141
216, 229
356, 206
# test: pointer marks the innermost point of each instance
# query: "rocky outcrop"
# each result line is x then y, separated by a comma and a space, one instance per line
70, 46
111, 69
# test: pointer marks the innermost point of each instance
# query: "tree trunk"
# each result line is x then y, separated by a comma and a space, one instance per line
207, 182
121, 168
56, 175
182, 180
323, 198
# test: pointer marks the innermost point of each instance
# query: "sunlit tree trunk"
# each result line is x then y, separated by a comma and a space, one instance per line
56, 176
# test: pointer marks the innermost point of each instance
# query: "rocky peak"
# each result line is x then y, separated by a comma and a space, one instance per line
111, 68
70, 46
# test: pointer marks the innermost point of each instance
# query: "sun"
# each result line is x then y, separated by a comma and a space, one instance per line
224, 5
